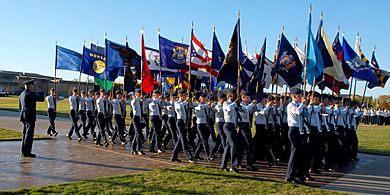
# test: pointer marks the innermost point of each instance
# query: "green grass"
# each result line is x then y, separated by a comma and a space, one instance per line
374, 139
191, 179
10, 135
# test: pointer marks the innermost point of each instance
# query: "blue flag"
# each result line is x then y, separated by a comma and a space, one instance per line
217, 55
360, 69
93, 64
118, 58
173, 54
314, 65
67, 59
288, 65
100, 50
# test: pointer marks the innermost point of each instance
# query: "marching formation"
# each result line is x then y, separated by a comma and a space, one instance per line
313, 133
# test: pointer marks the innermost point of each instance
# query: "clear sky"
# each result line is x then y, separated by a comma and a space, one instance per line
29, 29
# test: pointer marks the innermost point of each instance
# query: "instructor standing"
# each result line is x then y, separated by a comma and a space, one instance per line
27, 107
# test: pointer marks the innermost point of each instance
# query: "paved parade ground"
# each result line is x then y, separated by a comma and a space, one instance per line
59, 160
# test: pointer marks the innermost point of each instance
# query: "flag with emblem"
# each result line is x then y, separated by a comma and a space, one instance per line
93, 63
218, 56
288, 64
361, 70
173, 54
67, 59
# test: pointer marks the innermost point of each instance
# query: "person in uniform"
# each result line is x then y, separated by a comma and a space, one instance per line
294, 119
314, 143
231, 117
101, 118
137, 108
108, 115
219, 119
90, 106
165, 135
74, 107
171, 122
118, 110
156, 119
83, 113
181, 109
27, 107
52, 113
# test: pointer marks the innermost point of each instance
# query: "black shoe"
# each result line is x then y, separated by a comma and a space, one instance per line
270, 164
198, 158
239, 166
69, 138
85, 136
309, 178
141, 153
300, 181
94, 138
211, 158
289, 180
79, 139
55, 134
152, 151
234, 170
29, 155
49, 134
134, 152
192, 161
98, 144
251, 168
106, 144
123, 143
316, 171
175, 160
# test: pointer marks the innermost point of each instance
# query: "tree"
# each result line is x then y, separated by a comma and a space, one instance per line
384, 101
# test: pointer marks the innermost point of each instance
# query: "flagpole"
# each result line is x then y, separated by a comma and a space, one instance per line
78, 85
189, 76
158, 32
211, 68
304, 72
105, 70
55, 74
238, 55
142, 59
354, 91
97, 49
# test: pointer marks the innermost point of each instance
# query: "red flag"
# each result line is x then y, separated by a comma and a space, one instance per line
147, 85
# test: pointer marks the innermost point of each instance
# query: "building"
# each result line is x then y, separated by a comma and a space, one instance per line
11, 81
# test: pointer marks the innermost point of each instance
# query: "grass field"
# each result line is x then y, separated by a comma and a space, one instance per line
10, 135
374, 139
191, 179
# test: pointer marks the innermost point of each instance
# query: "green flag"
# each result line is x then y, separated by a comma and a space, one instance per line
107, 86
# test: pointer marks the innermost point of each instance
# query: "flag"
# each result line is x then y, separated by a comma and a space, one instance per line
67, 59
339, 51
256, 80
218, 56
288, 64
106, 84
199, 54
173, 54
153, 58
129, 80
93, 63
361, 70
100, 50
229, 69
333, 75
147, 78
314, 63
381, 75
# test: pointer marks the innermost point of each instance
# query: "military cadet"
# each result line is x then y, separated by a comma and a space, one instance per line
83, 113
171, 123
245, 134
27, 109
294, 119
316, 149
366, 114
108, 115
262, 146
276, 134
325, 134
340, 112
119, 107
284, 129
137, 108
155, 117
219, 119
74, 107
231, 117
165, 132
52, 113
145, 117
355, 115
101, 106
211, 119
201, 108
181, 109
90, 106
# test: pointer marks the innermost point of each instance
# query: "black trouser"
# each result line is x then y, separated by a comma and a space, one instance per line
28, 137
327, 137
156, 130
212, 130
262, 144
230, 149
182, 141
354, 143
148, 134
347, 144
165, 132
277, 146
120, 128
246, 146
220, 140
192, 133
138, 137
316, 149
285, 141
101, 124
83, 117
340, 147
52, 117
171, 126
75, 127
296, 160
204, 134
108, 124
91, 123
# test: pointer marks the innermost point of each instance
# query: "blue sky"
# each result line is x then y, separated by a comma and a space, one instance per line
29, 29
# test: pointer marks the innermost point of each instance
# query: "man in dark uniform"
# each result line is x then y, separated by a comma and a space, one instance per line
27, 108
